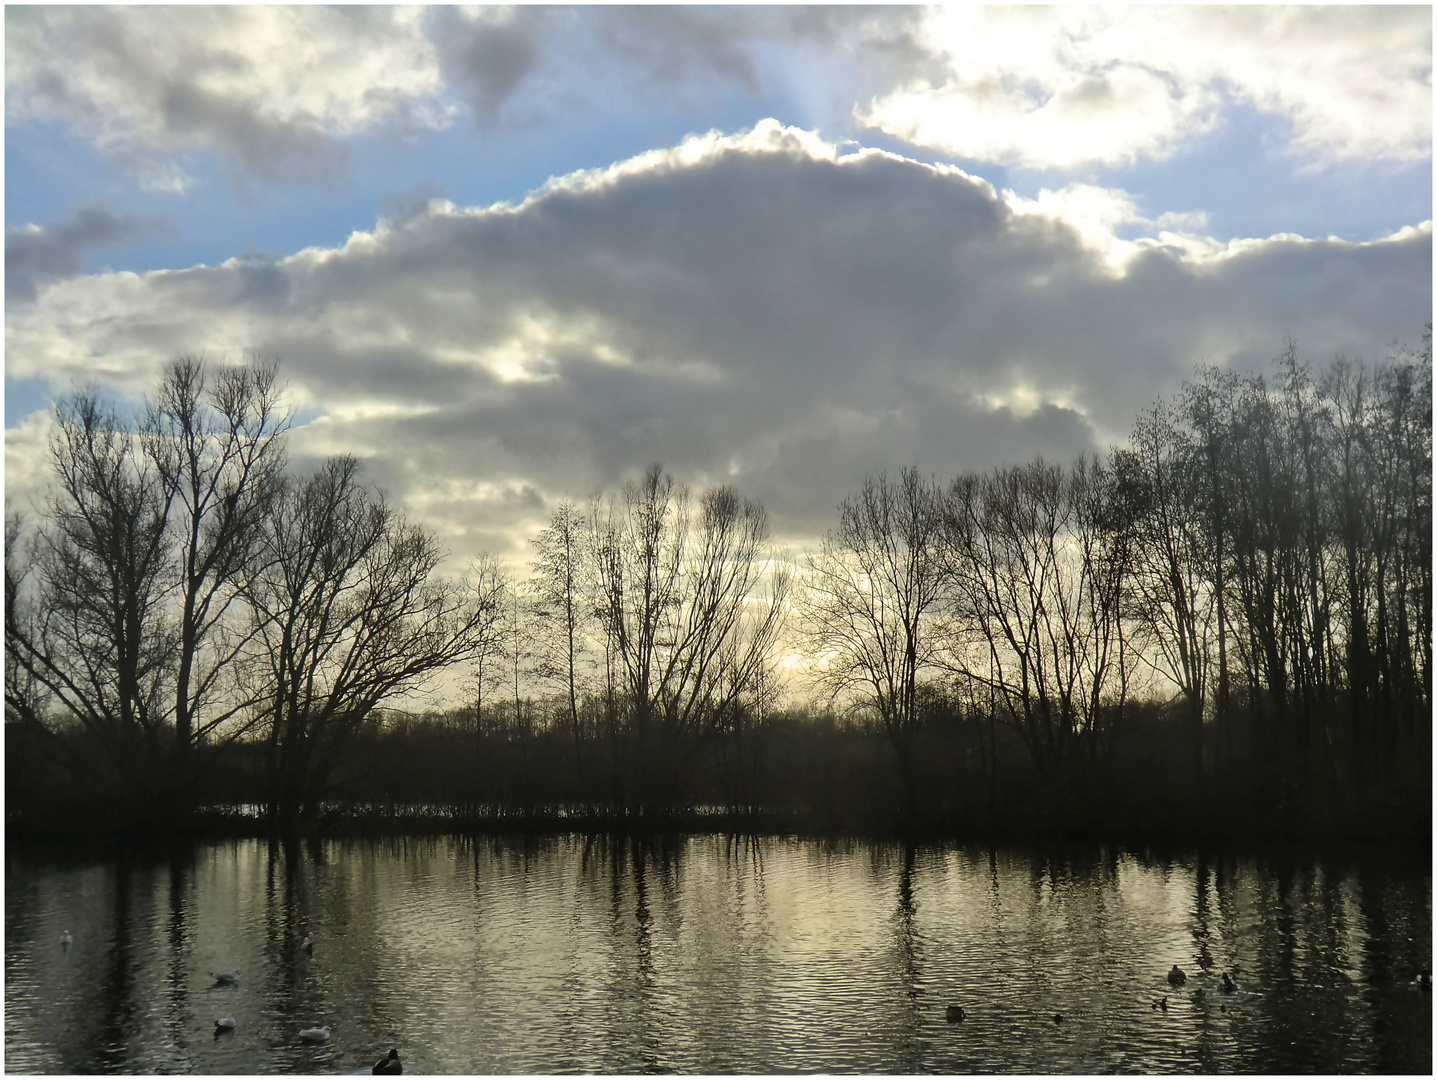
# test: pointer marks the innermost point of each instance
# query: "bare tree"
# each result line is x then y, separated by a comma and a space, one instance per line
561, 588
870, 604
1158, 480
680, 606
217, 440
97, 634
1038, 566
1208, 404
491, 587
349, 615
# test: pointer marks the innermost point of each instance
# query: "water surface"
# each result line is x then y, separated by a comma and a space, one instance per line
714, 955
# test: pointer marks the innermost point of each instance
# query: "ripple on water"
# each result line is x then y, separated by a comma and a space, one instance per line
567, 955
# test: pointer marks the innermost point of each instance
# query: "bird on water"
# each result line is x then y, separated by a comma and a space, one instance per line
388, 1066
315, 1034
1228, 986
225, 1023
1176, 976
307, 945
225, 978
65, 937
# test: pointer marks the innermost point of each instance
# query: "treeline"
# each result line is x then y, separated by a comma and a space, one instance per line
1259, 556
1226, 620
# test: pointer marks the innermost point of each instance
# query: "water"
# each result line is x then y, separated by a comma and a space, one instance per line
710, 955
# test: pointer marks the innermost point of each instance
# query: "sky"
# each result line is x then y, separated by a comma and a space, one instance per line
509, 256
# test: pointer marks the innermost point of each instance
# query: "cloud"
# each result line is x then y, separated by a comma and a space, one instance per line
34, 255
272, 90
278, 93
755, 308
487, 52
1067, 87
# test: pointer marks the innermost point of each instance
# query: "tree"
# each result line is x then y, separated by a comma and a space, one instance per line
1039, 559
1208, 404
348, 616
97, 636
869, 604
1158, 483
491, 587
679, 605
123, 614
560, 588
217, 441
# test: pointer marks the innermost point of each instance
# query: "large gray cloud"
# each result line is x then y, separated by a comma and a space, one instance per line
749, 309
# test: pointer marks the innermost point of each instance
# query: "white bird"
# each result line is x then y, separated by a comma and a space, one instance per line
65, 938
226, 1023
315, 1034
307, 945
225, 978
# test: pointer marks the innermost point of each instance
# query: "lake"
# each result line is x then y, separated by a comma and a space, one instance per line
708, 954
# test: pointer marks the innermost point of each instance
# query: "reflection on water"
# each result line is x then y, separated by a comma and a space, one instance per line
710, 954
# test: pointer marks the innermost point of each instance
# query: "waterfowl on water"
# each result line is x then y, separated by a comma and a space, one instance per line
1228, 986
315, 1034
1057, 1018
388, 1066
1176, 976
307, 945
226, 1023
955, 1013
65, 937
225, 978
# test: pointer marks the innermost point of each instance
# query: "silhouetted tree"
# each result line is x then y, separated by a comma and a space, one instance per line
1039, 557
349, 614
216, 438
869, 604
562, 592
95, 631
1159, 485
680, 606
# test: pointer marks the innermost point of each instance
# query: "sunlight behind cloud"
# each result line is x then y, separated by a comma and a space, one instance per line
1062, 87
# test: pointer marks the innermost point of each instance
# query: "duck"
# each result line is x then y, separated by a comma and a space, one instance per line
225, 978
65, 937
315, 1034
1176, 976
307, 944
1057, 1018
1228, 986
225, 1023
388, 1066
955, 1013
